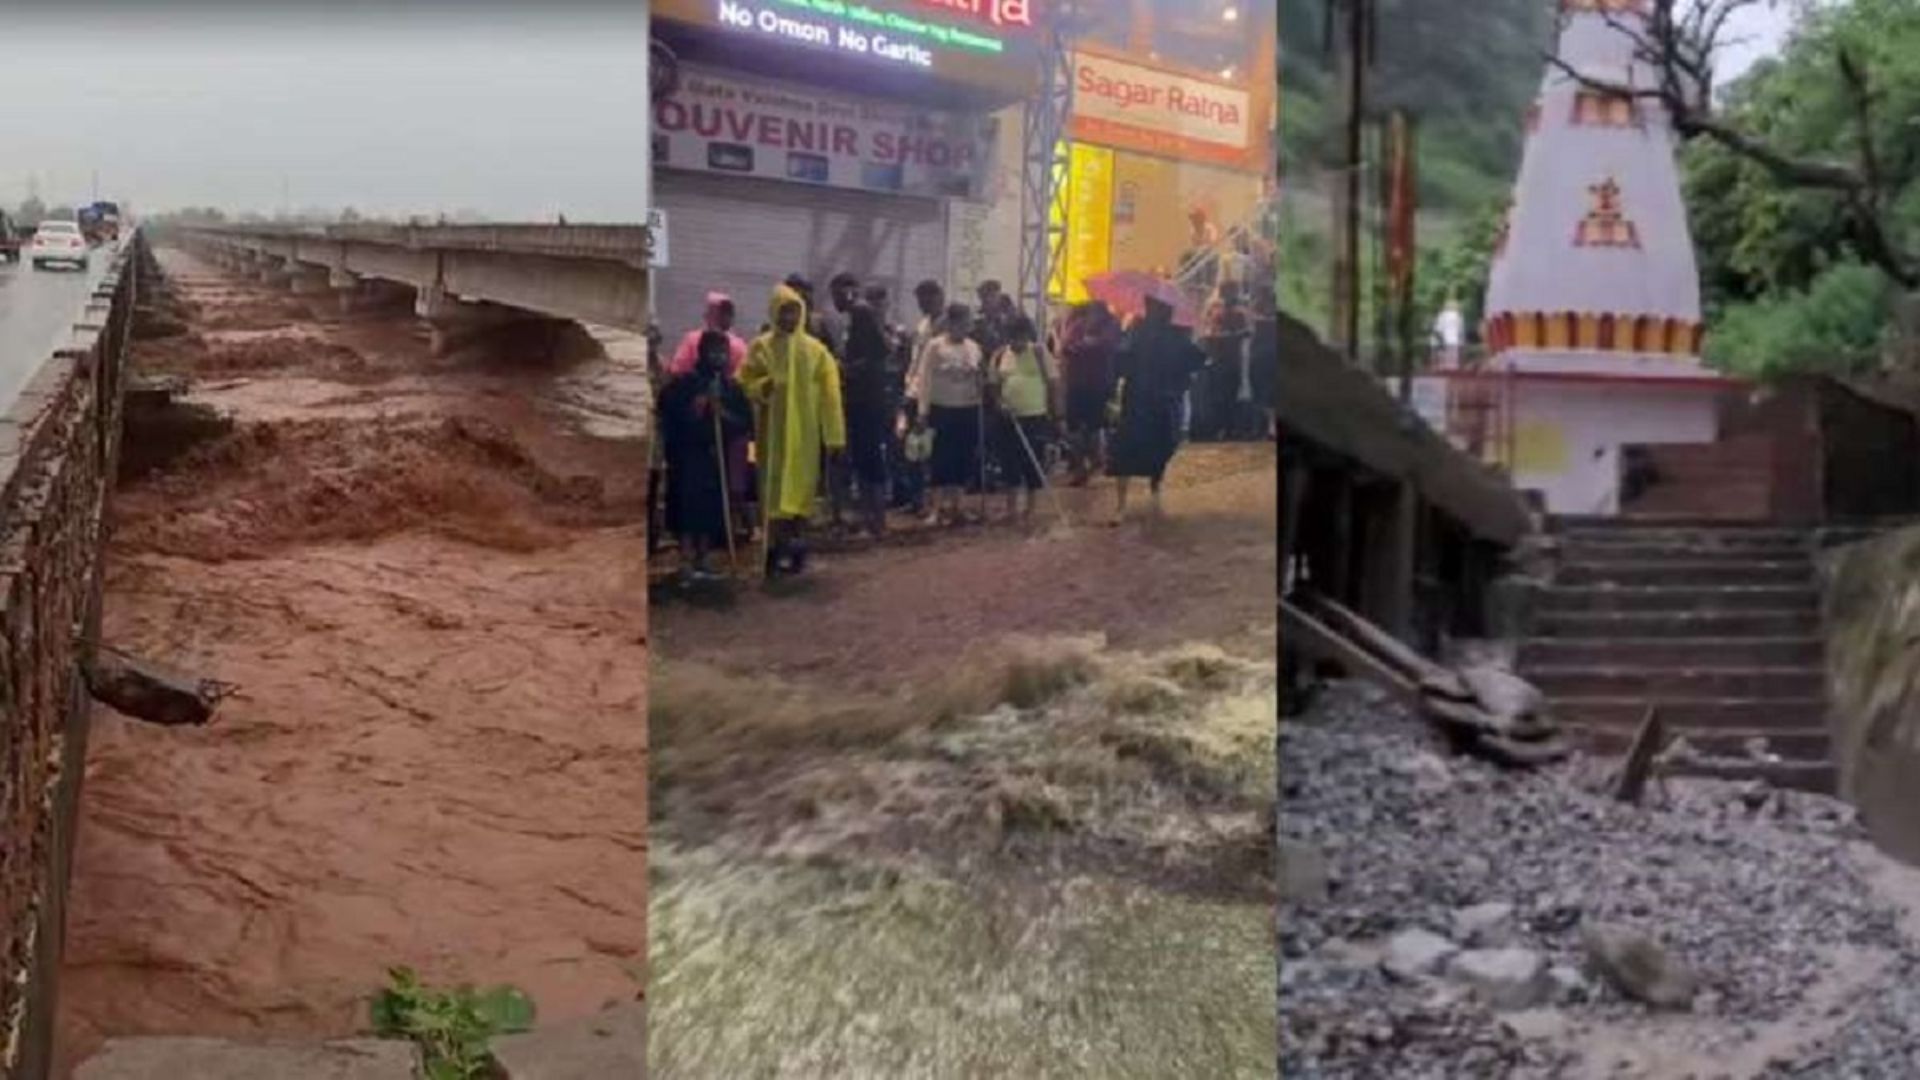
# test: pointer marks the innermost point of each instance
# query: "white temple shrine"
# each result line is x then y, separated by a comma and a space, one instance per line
1592, 323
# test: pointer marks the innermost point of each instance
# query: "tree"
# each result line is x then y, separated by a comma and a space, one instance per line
1465, 70
1837, 325
1827, 125
33, 211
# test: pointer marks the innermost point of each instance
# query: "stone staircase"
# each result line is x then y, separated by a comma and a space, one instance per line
1718, 625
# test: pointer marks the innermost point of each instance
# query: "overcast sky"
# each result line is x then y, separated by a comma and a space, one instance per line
517, 112
1761, 30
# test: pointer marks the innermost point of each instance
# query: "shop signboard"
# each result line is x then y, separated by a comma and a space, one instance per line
657, 233
720, 122
1089, 218
987, 43
1132, 106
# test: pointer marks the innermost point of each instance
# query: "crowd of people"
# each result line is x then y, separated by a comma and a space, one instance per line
838, 400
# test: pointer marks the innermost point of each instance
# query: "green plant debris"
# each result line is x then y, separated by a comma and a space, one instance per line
451, 1027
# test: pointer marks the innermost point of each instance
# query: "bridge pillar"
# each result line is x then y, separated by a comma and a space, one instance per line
307, 280
346, 289
452, 322
272, 269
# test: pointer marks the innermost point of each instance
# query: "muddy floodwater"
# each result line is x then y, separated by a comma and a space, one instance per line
993, 802
426, 579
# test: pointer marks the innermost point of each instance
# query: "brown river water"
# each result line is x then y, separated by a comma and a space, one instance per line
427, 580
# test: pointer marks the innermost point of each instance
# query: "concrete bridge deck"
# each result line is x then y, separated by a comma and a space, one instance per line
466, 278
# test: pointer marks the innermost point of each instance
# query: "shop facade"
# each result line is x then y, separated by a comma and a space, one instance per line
1171, 134
825, 137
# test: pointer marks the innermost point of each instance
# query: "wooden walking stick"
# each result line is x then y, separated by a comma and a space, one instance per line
1045, 484
726, 493
980, 451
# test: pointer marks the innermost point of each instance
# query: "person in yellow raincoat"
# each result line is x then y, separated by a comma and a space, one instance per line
794, 385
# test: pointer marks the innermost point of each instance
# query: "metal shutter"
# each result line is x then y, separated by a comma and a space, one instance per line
743, 235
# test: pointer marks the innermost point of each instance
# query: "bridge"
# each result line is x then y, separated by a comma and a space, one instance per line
63, 348
466, 279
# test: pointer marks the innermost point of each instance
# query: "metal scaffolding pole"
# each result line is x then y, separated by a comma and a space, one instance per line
1044, 174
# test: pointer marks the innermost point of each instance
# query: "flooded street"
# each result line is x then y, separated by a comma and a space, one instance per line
427, 580
984, 803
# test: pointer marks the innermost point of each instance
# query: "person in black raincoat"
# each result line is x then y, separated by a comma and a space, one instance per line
1155, 366
701, 415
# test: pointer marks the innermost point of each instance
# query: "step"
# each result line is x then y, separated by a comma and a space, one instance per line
1838, 536
1793, 744
1728, 536
1583, 625
1631, 573
1725, 713
1638, 551
1676, 524
1667, 652
1681, 599
1701, 682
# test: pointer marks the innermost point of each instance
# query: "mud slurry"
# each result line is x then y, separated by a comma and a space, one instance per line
1040, 854
430, 590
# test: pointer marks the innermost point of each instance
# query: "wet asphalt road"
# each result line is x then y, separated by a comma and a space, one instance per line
37, 308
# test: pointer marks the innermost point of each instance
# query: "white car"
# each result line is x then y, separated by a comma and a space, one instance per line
58, 242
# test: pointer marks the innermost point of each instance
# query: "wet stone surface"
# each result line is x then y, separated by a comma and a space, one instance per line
1751, 902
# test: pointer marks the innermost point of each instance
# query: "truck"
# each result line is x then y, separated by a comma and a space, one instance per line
109, 219
100, 222
11, 238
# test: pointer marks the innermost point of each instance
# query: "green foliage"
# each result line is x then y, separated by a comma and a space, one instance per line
1773, 256
1836, 326
1465, 71
451, 1027
1458, 267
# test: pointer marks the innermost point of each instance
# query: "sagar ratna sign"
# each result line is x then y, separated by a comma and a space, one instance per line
1116, 103
724, 123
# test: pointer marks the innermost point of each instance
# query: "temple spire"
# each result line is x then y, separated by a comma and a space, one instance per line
1595, 271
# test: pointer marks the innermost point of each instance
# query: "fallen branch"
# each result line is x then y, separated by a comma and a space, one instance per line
1639, 762
144, 692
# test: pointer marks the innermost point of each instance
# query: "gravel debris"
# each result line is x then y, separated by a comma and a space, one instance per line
1484, 925
1751, 902
1504, 978
1417, 952
1879, 1041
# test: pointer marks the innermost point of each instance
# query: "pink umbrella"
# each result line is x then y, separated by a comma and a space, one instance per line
1126, 292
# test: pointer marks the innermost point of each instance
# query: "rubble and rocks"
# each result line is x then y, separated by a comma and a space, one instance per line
1417, 952
1744, 908
1569, 986
1504, 978
1635, 964
1484, 925
1302, 872
1879, 1041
